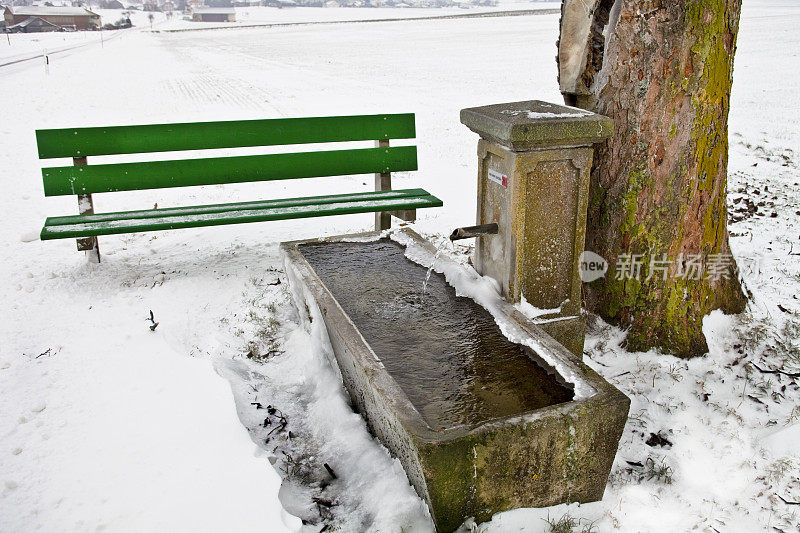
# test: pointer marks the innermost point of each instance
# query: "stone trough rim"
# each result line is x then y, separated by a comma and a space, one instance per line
388, 386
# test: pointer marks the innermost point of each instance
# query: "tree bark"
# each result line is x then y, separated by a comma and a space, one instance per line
658, 189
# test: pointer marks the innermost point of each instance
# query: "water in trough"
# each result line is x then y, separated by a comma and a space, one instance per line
445, 351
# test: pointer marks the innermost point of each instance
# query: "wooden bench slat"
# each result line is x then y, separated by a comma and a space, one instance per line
213, 171
222, 208
82, 142
241, 213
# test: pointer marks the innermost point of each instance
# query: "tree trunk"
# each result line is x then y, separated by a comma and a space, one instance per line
658, 189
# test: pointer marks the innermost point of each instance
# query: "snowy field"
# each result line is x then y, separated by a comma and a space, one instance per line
107, 425
247, 16
23, 45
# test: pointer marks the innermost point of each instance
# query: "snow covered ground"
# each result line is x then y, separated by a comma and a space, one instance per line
105, 424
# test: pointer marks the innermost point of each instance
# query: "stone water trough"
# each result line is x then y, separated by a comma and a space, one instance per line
485, 411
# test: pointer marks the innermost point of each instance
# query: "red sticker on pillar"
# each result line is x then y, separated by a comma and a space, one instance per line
498, 177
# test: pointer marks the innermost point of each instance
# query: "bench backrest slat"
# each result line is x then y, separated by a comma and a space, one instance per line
209, 171
82, 142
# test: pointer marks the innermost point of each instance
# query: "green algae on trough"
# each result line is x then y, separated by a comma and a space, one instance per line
445, 351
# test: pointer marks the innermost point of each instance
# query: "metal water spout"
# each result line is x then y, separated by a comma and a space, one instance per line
469, 232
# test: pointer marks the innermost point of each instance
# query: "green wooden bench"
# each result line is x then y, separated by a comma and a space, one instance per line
83, 180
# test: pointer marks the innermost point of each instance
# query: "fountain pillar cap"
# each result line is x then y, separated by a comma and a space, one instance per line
533, 124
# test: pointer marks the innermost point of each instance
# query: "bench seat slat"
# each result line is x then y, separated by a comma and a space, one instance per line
109, 140
236, 213
222, 208
213, 171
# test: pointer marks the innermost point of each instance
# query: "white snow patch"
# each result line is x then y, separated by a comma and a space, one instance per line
784, 442
572, 113
304, 382
109, 425
534, 313
29, 236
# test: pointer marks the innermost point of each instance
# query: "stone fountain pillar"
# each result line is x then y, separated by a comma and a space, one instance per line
534, 161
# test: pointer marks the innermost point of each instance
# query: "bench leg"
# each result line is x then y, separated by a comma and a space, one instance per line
88, 244
409, 215
383, 221
383, 182
92, 249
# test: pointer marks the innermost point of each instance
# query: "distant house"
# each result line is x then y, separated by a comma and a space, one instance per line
214, 14
32, 25
78, 17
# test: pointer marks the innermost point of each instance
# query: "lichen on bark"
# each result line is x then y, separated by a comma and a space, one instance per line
659, 185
